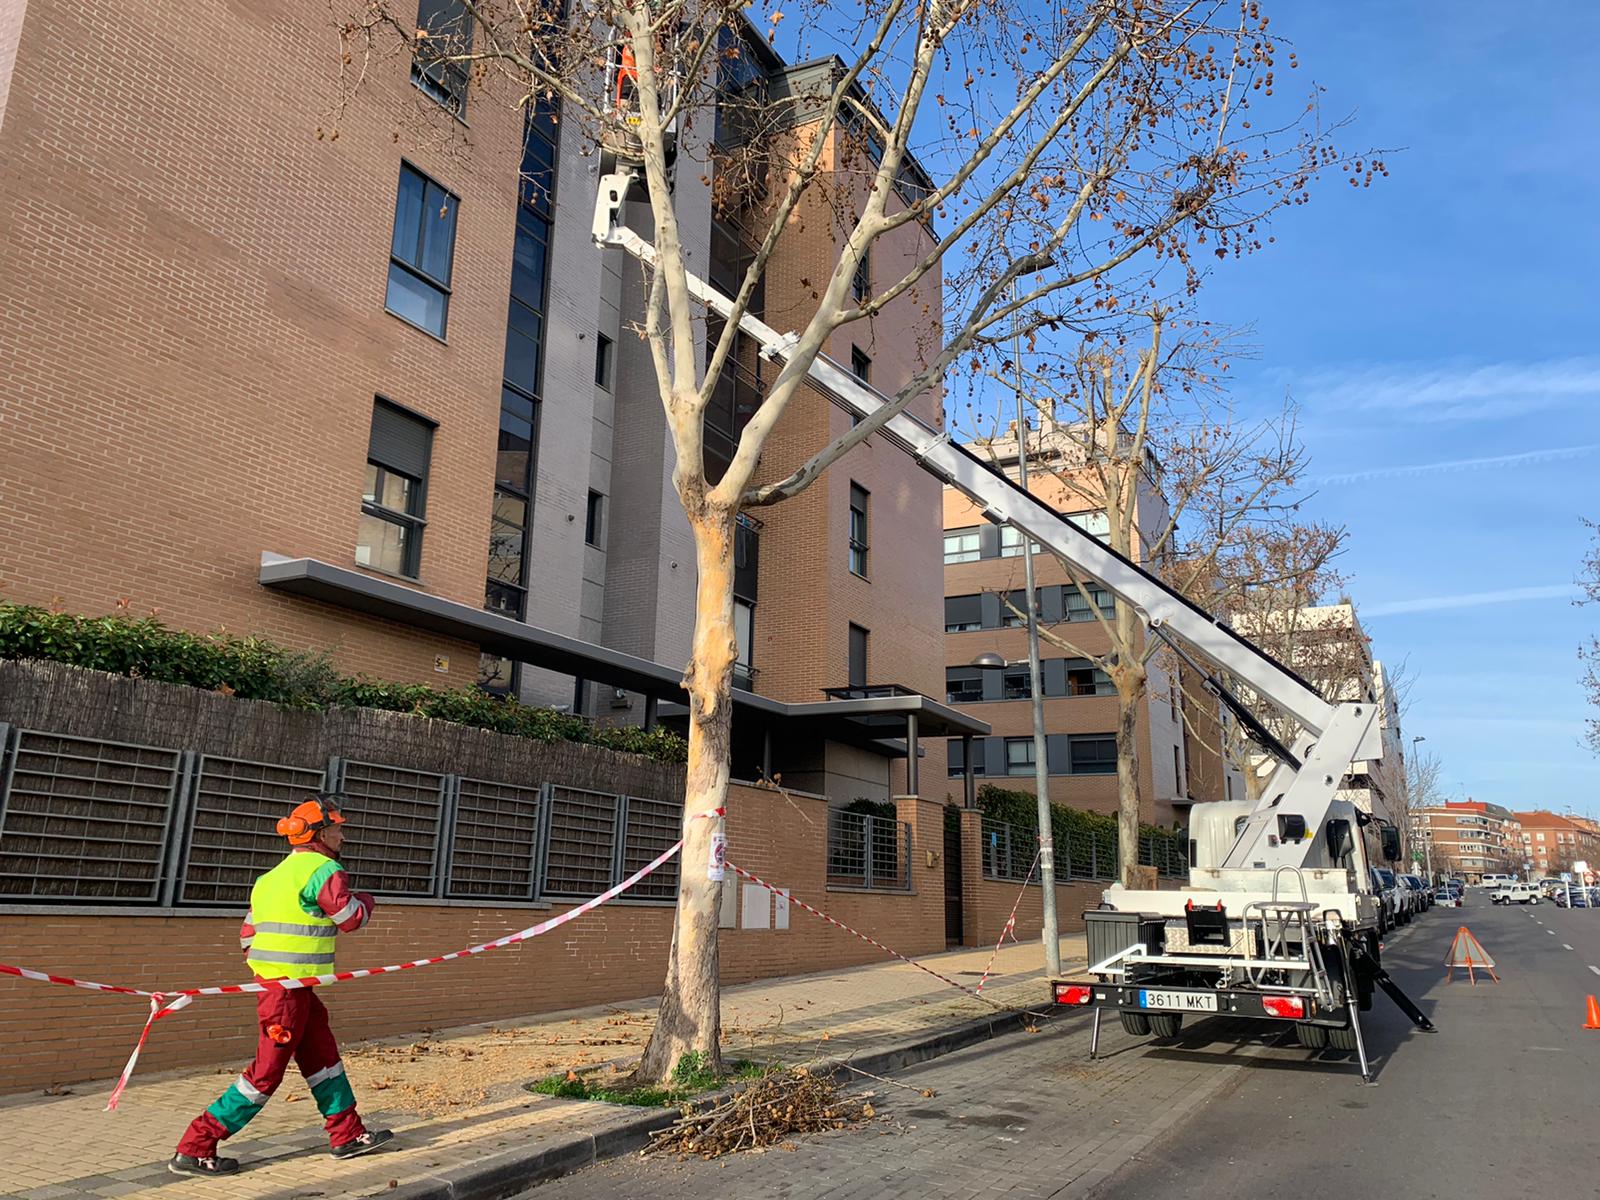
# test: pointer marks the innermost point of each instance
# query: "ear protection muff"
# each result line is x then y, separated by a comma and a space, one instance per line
300, 825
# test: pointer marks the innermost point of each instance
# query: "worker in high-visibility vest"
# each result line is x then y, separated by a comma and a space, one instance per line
296, 911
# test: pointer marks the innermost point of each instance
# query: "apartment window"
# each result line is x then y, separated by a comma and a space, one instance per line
861, 282
963, 614
495, 673
1095, 523
963, 685
399, 446
1019, 756
858, 657
602, 361
744, 622
1011, 542
449, 35
956, 757
508, 540
1086, 679
422, 252
1077, 608
593, 533
860, 365
1016, 685
960, 545
1013, 609
858, 530
1092, 754
1177, 772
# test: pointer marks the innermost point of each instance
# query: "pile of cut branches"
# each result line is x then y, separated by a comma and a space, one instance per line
763, 1113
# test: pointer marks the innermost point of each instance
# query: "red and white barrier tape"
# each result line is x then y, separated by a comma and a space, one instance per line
164, 1004
871, 941
1011, 921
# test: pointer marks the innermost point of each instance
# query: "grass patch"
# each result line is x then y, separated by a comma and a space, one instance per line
690, 1078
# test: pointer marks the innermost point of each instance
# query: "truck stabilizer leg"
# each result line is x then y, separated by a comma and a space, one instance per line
1094, 1036
1392, 989
1361, 1043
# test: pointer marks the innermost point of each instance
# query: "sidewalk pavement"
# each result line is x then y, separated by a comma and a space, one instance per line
457, 1098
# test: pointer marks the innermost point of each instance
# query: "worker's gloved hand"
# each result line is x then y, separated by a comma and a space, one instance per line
366, 899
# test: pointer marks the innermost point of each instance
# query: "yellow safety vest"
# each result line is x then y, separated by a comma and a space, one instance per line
294, 937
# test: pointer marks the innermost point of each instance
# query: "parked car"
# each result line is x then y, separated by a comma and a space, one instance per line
1421, 894
1445, 898
1384, 891
1515, 893
1396, 899
1573, 896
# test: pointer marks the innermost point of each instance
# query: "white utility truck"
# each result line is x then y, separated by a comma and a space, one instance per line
1278, 920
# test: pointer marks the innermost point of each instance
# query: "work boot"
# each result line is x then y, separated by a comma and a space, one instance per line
188, 1164
372, 1139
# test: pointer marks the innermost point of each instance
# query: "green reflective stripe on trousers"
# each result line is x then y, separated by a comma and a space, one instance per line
234, 1109
333, 1094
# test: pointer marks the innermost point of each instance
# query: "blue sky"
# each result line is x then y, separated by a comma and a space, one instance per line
1439, 333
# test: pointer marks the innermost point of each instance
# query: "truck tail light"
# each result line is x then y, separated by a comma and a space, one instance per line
1073, 993
1290, 1007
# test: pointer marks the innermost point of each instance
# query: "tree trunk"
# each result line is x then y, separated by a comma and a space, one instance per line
690, 1020
1129, 694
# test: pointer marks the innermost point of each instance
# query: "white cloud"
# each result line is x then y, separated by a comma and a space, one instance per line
1526, 458
1452, 392
1553, 591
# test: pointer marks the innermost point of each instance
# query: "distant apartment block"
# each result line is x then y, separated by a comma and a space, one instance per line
984, 591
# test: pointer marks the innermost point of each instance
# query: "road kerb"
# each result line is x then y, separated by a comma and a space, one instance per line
506, 1174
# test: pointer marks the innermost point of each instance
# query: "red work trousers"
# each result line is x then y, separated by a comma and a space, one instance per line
299, 1020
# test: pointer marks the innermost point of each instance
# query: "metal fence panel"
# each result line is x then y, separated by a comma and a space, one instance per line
1008, 850
397, 815
652, 826
232, 835
83, 819
868, 851
580, 856
494, 841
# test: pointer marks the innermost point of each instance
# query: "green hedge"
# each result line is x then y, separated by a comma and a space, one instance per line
1021, 808
254, 669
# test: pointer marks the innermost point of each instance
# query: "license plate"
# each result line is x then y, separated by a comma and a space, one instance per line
1178, 1001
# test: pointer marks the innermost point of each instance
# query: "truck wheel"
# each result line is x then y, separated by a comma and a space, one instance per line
1136, 1023
1312, 1037
1342, 1039
1166, 1025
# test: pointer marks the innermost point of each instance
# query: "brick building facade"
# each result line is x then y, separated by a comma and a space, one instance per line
262, 378
1178, 733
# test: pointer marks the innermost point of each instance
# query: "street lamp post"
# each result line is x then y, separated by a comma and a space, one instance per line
1416, 774
989, 661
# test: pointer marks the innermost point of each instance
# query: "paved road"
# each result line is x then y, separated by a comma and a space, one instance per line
1483, 1107
1497, 1103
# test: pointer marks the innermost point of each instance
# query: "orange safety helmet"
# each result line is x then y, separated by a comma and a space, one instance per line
301, 826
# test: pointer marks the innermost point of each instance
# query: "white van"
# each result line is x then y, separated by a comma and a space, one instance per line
1515, 893
1496, 881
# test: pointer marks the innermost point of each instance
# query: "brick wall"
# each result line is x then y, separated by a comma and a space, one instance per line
986, 903
195, 318
615, 953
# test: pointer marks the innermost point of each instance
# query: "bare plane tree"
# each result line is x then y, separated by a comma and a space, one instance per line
1061, 157
1181, 484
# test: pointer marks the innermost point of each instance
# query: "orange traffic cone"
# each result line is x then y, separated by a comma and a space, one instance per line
1594, 1014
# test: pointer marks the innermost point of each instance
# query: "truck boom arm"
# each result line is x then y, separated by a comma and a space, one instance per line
1334, 734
